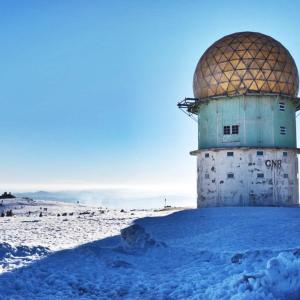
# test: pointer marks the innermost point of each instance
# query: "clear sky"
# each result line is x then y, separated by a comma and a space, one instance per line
89, 88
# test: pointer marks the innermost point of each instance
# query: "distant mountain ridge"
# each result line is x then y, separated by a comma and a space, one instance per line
113, 198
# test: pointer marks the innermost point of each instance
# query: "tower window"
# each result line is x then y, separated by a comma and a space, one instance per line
282, 130
229, 153
226, 130
206, 155
235, 129
284, 153
230, 175
285, 175
260, 153
260, 175
282, 106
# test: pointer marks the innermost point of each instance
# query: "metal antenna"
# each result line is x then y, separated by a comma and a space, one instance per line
186, 106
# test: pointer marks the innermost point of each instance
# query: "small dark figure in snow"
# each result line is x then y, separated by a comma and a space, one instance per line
58, 215
9, 213
41, 214
2, 214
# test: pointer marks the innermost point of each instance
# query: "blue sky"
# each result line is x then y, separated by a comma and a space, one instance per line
89, 88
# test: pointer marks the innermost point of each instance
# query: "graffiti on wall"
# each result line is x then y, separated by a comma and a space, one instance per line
273, 164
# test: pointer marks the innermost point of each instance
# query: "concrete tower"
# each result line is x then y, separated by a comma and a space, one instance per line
245, 89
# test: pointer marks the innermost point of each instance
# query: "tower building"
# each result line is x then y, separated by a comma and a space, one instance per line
245, 98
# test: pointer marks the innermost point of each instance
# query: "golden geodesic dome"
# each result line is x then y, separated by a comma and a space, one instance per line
246, 62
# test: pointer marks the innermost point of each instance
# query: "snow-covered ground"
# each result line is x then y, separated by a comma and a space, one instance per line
212, 253
60, 226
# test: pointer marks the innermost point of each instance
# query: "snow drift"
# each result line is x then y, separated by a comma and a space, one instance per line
135, 239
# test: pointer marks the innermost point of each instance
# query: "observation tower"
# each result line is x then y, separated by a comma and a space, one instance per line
245, 99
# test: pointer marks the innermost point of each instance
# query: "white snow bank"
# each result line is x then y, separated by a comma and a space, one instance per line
12, 257
279, 279
7, 250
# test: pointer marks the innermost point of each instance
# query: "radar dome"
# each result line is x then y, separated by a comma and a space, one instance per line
246, 62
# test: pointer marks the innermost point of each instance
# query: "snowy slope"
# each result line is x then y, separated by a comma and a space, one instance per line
75, 225
213, 253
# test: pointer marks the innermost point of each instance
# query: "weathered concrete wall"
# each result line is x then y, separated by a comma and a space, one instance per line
254, 114
278, 186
